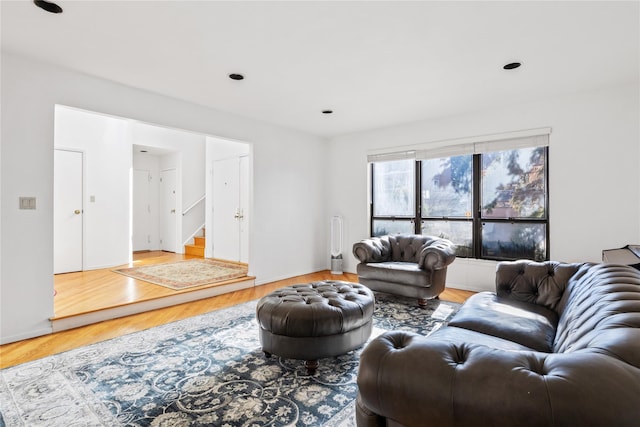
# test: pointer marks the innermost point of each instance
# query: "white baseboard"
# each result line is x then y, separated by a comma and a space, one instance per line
283, 277
468, 287
26, 335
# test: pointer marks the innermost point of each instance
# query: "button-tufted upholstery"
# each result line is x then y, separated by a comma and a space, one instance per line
556, 345
410, 265
315, 320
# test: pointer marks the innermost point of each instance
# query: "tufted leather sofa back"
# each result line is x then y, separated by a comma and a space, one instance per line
598, 305
541, 283
601, 314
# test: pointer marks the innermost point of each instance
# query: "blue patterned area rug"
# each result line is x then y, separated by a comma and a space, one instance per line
207, 370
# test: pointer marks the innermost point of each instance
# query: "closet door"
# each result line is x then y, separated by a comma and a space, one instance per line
229, 223
67, 211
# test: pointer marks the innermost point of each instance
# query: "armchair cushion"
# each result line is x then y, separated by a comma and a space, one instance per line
408, 273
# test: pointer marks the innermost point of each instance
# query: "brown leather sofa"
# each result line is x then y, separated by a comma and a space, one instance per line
556, 345
413, 266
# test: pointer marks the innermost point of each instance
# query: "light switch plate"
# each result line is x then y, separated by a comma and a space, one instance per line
27, 202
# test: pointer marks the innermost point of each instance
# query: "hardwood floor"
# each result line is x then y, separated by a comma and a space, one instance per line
99, 286
92, 290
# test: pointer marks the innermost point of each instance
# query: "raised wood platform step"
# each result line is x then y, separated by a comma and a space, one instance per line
62, 323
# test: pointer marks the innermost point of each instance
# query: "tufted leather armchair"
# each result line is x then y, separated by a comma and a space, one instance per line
556, 345
410, 265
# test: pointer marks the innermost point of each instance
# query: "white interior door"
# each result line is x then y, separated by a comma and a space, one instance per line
226, 209
168, 210
67, 211
141, 233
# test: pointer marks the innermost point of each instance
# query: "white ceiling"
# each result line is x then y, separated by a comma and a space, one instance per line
375, 64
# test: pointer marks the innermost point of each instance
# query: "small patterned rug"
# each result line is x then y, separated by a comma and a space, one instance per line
186, 274
207, 370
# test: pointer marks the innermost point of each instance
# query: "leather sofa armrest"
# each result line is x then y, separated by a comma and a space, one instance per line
375, 249
437, 254
426, 381
366, 418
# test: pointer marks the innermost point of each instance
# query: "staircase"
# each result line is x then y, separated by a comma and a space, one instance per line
197, 247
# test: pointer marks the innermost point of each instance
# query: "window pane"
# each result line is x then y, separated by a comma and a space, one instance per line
382, 227
514, 241
513, 183
393, 188
446, 187
459, 232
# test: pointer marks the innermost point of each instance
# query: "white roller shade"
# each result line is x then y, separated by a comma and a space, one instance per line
387, 157
445, 151
512, 144
464, 146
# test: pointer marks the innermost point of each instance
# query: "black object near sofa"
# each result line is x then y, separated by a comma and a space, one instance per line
413, 266
556, 345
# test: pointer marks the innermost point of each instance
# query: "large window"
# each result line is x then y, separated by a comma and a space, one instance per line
492, 205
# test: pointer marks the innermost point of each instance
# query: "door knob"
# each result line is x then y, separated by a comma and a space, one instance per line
77, 212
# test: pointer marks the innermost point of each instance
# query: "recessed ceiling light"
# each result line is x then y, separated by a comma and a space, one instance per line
327, 111
512, 65
236, 76
48, 6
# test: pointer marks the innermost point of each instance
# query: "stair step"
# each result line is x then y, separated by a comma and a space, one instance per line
194, 250
198, 241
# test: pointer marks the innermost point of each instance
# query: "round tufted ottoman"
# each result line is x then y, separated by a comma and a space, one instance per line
315, 320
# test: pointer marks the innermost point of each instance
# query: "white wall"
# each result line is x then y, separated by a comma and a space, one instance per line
289, 216
107, 148
594, 172
220, 149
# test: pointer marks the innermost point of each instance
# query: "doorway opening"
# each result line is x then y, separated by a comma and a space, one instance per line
154, 208
146, 187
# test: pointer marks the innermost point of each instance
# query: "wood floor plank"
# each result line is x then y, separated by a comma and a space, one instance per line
95, 286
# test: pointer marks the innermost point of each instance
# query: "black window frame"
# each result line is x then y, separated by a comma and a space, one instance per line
476, 218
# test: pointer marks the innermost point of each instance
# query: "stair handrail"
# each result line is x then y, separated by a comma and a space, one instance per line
194, 204
194, 234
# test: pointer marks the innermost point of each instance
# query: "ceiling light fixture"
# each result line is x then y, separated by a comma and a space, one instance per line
236, 76
48, 6
327, 111
511, 65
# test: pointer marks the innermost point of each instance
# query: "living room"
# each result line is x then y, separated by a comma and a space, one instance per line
579, 77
